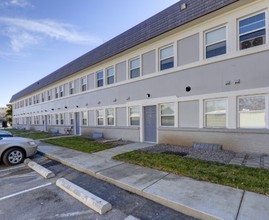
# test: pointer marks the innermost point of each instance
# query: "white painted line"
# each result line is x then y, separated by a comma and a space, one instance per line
12, 168
92, 201
24, 191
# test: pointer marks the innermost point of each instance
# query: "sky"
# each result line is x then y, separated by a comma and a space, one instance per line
38, 37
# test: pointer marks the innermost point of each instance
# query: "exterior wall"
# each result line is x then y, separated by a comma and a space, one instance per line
149, 62
237, 141
124, 133
231, 75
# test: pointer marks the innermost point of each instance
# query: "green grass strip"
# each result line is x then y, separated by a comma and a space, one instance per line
86, 145
245, 178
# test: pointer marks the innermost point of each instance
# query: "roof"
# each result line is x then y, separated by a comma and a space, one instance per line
164, 21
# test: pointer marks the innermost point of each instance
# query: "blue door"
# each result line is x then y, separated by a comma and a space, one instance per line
150, 124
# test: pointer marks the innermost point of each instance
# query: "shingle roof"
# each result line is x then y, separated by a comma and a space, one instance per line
158, 24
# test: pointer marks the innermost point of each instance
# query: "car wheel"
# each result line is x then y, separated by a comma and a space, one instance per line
13, 156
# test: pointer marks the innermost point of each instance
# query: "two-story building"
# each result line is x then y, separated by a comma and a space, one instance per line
195, 72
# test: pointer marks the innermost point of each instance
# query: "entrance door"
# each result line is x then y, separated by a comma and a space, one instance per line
150, 124
77, 123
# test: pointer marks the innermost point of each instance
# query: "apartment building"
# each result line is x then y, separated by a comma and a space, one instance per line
195, 72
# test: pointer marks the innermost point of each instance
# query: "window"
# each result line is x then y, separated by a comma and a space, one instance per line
134, 115
215, 42
84, 117
100, 117
42, 97
215, 113
110, 74
100, 79
49, 95
34, 97
252, 112
84, 84
168, 114
134, 68
56, 93
110, 116
166, 58
71, 88
57, 119
61, 88
252, 31
71, 118
62, 119
30, 101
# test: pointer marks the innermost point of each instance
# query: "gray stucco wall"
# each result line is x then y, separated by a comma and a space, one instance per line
149, 62
121, 116
126, 133
188, 114
188, 50
121, 71
91, 118
237, 141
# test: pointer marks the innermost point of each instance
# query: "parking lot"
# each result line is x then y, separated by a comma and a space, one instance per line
24, 194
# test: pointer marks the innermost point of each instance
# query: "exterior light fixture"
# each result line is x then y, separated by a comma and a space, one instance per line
115, 100
188, 89
148, 95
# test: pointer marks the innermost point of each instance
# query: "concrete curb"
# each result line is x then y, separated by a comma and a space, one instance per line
39, 169
130, 217
97, 204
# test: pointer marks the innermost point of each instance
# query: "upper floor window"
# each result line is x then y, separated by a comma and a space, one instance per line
134, 115
56, 92
252, 111
168, 114
43, 97
134, 68
110, 75
71, 88
49, 95
252, 31
61, 88
215, 113
167, 58
83, 84
100, 78
215, 42
30, 101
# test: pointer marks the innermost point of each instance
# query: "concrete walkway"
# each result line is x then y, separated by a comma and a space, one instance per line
195, 198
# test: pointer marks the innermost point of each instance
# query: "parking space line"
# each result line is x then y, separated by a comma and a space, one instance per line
24, 191
12, 168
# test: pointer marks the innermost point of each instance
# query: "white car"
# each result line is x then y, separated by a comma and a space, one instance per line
13, 150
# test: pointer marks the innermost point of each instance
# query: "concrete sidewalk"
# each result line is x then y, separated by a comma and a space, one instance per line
195, 198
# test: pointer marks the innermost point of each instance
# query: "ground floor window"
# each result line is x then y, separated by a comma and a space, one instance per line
168, 114
61, 119
57, 119
215, 113
110, 116
100, 117
84, 118
134, 116
71, 118
251, 111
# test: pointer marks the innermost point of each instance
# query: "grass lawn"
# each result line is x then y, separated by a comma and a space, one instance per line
30, 134
246, 178
86, 145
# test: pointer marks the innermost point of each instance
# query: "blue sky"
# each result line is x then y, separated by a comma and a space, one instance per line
39, 36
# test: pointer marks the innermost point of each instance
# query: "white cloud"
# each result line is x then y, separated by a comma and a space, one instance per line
23, 33
15, 3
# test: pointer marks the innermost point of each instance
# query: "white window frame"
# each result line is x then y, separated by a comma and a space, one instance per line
131, 69
97, 80
98, 117
205, 113
71, 118
49, 95
61, 91
169, 115
109, 76
107, 117
57, 119
166, 58
265, 111
83, 84
56, 93
71, 87
61, 118
130, 116
84, 118
249, 16
207, 45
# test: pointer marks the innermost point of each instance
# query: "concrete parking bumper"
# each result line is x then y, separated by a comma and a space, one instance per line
39, 169
97, 204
